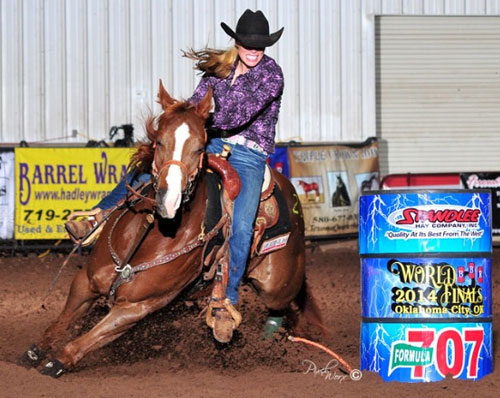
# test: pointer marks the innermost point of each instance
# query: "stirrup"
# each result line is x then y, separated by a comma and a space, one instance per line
226, 319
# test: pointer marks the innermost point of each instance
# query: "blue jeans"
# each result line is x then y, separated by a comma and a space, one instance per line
120, 191
250, 165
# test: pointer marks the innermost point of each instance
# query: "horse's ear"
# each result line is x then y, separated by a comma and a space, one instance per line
164, 99
203, 108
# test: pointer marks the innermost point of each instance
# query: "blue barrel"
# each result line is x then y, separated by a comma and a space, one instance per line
426, 284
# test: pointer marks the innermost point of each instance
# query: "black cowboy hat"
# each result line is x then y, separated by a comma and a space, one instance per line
252, 30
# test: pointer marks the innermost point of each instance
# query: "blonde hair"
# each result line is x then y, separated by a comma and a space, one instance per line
212, 61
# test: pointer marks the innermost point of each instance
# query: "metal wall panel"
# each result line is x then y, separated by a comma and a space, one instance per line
439, 93
98, 65
119, 62
33, 107
76, 87
11, 14
87, 65
351, 70
433, 7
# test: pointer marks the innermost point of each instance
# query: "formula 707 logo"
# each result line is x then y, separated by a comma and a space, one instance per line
446, 349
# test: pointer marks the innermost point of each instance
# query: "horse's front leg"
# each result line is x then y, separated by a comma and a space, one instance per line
80, 299
120, 318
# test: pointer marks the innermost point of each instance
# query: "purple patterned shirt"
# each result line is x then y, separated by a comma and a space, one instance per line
250, 106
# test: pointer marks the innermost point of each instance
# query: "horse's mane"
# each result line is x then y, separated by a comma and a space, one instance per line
143, 157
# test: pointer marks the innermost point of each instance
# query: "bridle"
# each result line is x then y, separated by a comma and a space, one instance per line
191, 178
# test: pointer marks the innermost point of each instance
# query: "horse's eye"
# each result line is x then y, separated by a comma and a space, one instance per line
159, 143
199, 151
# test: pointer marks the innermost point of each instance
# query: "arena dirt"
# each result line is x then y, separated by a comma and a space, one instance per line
172, 354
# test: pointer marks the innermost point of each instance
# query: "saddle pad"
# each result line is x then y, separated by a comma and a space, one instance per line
214, 213
214, 209
281, 228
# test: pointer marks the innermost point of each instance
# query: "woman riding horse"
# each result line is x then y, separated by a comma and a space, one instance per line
247, 88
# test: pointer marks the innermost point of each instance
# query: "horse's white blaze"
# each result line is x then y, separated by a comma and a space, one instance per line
172, 199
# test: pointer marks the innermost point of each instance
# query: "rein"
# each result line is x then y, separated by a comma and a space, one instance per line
126, 272
152, 202
123, 268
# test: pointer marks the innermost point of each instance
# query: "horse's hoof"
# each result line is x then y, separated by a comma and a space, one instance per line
53, 368
272, 325
32, 357
223, 326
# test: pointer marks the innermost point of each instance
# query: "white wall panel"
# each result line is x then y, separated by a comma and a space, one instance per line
76, 83
309, 72
330, 69
182, 38
350, 26
392, 7
11, 71
55, 70
98, 67
228, 12
433, 7
162, 50
288, 54
368, 93
475, 7
454, 7
33, 72
141, 89
413, 7
87, 65
493, 7
119, 62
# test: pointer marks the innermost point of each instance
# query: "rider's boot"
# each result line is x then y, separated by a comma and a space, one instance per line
223, 318
81, 228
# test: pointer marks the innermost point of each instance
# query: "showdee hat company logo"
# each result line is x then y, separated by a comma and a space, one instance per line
435, 221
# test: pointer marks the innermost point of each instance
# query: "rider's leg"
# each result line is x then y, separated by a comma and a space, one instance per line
250, 166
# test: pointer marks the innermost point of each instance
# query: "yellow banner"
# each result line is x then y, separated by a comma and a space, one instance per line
51, 183
328, 180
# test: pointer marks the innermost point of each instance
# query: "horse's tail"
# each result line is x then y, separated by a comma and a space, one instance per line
304, 312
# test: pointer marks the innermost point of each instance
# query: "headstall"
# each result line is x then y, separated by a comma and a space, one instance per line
191, 178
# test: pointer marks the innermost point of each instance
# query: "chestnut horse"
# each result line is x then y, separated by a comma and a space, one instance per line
178, 139
308, 187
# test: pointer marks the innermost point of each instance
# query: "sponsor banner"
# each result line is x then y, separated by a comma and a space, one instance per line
426, 288
328, 180
428, 351
51, 183
279, 160
489, 181
425, 221
6, 194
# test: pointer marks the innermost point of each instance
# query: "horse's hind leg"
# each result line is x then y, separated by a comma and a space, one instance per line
80, 299
121, 317
278, 279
